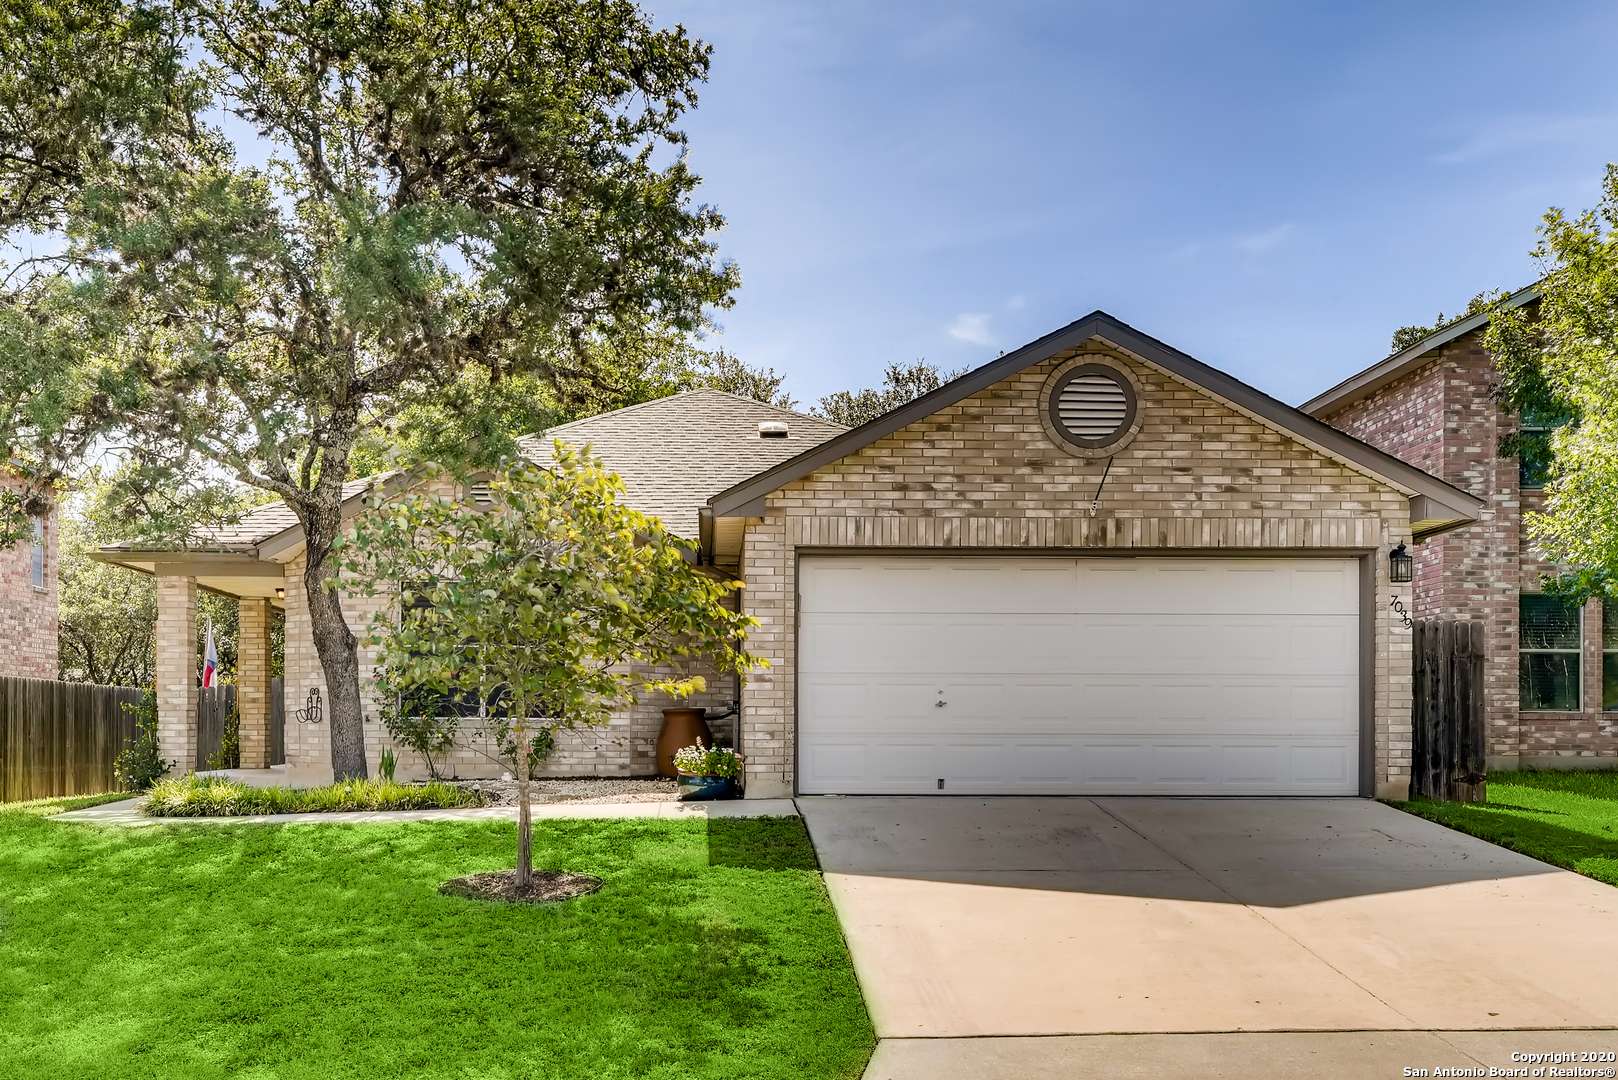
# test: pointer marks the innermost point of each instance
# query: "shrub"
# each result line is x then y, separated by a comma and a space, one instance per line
139, 765
388, 764
215, 796
700, 760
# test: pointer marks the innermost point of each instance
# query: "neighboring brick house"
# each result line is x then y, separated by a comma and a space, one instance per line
1550, 673
1093, 565
28, 599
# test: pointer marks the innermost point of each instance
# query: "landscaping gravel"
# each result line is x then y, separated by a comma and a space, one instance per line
582, 789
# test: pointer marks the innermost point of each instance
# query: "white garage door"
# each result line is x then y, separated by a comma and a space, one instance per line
1078, 676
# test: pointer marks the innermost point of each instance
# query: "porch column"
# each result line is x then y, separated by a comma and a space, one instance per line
177, 694
253, 681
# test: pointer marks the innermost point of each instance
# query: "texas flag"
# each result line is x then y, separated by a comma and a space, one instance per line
210, 659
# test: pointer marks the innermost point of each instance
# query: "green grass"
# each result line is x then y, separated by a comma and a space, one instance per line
326, 951
216, 796
1569, 819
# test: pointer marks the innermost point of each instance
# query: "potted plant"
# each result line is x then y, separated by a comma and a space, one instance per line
707, 773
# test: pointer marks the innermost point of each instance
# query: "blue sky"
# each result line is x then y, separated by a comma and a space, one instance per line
1272, 188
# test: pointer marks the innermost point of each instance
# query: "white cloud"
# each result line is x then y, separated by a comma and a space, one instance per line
1519, 132
971, 327
1257, 243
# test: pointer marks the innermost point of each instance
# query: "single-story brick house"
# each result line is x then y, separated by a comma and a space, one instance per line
1092, 565
1550, 669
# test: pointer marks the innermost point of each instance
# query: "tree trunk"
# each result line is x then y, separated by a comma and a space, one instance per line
525, 821
339, 661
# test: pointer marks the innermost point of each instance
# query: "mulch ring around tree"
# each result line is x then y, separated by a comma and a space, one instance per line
546, 886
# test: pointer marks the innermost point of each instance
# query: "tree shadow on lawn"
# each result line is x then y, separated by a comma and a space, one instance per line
1583, 852
771, 844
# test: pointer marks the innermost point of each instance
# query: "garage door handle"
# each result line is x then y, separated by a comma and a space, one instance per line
939, 704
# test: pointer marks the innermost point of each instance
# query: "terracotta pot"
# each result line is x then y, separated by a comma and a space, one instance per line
681, 727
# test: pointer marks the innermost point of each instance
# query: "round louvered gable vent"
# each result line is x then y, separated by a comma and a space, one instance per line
1092, 406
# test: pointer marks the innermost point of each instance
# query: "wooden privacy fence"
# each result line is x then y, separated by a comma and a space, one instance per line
214, 707
1447, 748
59, 738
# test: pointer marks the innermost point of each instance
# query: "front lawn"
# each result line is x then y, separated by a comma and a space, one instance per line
1569, 819
326, 951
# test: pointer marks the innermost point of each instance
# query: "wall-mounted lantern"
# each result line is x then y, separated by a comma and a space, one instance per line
1401, 565
280, 593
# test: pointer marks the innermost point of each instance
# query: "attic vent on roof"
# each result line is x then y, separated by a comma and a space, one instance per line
1092, 406
772, 429
480, 494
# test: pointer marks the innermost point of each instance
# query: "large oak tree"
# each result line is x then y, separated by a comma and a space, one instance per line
247, 235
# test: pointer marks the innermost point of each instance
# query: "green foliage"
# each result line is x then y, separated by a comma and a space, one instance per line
139, 764
700, 760
725, 371
901, 384
388, 765
269, 229
1406, 336
413, 721
229, 754
1559, 365
325, 952
1568, 819
215, 796
547, 611
553, 606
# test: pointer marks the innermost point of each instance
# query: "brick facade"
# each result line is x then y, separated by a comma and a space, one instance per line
984, 474
28, 613
1444, 417
625, 746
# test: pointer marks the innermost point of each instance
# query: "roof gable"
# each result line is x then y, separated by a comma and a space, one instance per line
1364, 383
746, 497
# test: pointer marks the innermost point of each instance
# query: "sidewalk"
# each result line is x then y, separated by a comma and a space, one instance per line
128, 812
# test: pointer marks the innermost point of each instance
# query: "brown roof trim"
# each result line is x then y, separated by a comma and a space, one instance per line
744, 499
1365, 383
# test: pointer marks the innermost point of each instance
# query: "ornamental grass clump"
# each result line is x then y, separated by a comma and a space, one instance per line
216, 796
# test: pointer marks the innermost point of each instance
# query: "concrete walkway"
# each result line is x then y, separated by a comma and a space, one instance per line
1326, 1055
986, 926
128, 812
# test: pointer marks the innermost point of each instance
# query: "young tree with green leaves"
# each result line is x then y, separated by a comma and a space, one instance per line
551, 608
244, 236
1558, 362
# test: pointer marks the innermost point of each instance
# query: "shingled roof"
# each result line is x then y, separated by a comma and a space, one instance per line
254, 527
673, 455
676, 453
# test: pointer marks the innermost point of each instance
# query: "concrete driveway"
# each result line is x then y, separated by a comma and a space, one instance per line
1079, 917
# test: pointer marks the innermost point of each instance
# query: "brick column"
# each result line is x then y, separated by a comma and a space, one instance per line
177, 672
253, 681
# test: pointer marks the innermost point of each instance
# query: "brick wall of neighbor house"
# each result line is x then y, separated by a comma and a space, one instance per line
625, 746
28, 616
1444, 417
983, 474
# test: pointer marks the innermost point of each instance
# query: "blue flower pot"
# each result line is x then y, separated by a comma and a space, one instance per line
706, 788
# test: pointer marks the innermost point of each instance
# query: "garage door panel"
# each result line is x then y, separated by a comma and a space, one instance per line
1248, 682
934, 644
907, 586
1217, 586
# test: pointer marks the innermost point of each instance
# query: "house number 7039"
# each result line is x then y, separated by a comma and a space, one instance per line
1398, 607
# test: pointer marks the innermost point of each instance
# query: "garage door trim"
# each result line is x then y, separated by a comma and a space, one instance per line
1368, 614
